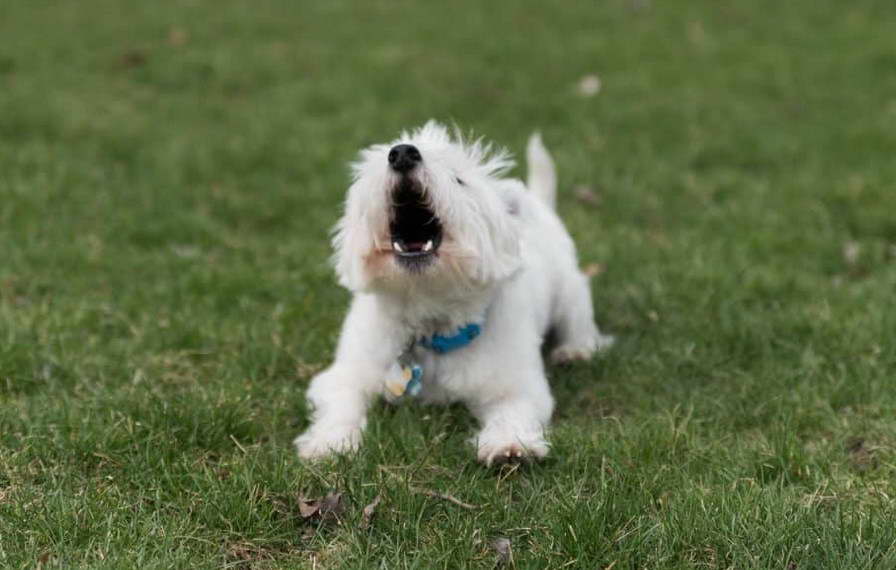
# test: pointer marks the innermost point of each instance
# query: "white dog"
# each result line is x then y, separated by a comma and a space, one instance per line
458, 274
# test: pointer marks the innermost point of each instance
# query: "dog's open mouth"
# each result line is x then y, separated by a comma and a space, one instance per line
415, 228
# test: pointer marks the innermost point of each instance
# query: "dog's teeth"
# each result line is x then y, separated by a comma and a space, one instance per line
397, 246
427, 246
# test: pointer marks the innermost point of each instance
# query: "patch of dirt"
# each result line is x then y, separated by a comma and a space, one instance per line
861, 455
246, 555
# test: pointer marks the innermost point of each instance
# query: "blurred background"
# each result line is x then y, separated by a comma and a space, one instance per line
193, 154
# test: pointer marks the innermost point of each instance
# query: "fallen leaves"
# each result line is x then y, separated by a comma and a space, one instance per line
246, 554
178, 37
851, 251
593, 270
368, 512
501, 547
133, 58
334, 508
861, 456
587, 195
697, 33
330, 508
305, 370
589, 85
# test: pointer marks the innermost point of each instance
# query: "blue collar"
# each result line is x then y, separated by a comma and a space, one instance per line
442, 344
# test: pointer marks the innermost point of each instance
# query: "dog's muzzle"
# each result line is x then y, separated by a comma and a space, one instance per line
416, 231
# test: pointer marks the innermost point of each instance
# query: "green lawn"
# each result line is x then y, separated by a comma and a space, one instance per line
168, 175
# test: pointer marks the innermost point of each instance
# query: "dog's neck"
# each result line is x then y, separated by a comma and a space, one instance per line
425, 315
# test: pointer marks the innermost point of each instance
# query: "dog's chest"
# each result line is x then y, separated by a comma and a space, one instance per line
437, 344
431, 369
440, 375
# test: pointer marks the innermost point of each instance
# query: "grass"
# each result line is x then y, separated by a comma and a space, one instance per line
168, 175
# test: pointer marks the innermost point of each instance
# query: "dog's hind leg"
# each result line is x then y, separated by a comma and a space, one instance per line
577, 335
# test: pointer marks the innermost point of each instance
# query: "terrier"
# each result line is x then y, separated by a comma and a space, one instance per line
458, 274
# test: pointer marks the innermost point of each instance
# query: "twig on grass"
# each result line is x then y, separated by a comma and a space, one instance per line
428, 492
240, 447
443, 496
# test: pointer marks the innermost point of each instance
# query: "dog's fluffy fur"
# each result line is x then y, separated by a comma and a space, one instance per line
502, 259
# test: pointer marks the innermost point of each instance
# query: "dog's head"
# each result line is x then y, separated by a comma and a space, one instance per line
427, 209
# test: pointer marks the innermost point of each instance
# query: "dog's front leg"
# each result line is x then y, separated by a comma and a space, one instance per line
513, 424
340, 395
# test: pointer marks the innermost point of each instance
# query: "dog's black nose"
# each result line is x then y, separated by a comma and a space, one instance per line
404, 157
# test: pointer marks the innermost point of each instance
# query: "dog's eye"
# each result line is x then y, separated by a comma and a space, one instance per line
459, 181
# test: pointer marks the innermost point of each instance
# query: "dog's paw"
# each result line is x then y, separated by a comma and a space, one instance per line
572, 352
317, 443
566, 354
496, 451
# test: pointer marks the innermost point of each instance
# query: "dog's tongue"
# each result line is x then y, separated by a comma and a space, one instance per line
414, 245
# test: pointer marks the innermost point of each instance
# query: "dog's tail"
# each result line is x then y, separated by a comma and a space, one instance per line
542, 175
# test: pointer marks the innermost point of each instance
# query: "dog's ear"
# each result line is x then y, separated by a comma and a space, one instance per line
511, 198
499, 239
507, 226
349, 268
353, 243
507, 257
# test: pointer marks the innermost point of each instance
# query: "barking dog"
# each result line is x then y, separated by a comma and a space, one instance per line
458, 274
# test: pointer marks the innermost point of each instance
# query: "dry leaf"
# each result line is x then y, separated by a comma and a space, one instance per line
306, 370
308, 508
860, 455
697, 33
327, 509
368, 512
501, 546
593, 270
589, 86
178, 36
133, 58
851, 252
246, 554
587, 195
